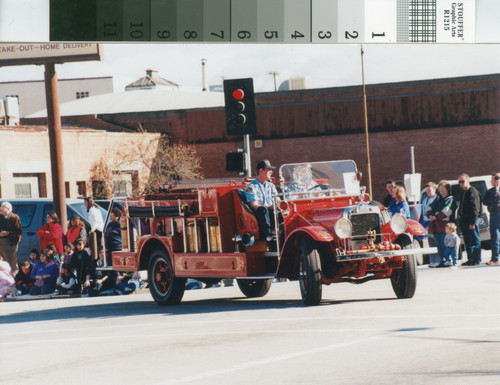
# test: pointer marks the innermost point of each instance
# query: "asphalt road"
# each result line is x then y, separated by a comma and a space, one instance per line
449, 333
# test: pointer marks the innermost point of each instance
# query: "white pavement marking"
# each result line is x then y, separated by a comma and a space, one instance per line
251, 364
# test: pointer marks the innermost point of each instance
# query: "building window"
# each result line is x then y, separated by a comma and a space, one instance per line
27, 185
122, 184
83, 94
22, 190
99, 189
82, 188
120, 188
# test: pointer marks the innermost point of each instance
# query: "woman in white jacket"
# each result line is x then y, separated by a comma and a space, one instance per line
96, 222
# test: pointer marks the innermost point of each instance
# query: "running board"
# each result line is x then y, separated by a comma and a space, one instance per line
266, 276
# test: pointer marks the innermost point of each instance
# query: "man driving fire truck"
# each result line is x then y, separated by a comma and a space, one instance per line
259, 194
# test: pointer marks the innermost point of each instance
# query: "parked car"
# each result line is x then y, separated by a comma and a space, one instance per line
482, 184
104, 203
33, 212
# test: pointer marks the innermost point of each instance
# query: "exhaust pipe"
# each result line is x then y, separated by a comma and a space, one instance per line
246, 239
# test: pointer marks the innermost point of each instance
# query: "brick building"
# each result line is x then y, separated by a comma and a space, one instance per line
453, 124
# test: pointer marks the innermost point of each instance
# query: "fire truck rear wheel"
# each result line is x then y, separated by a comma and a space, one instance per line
165, 288
404, 281
310, 274
255, 288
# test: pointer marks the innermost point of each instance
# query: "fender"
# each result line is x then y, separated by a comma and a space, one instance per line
317, 233
146, 247
415, 228
291, 247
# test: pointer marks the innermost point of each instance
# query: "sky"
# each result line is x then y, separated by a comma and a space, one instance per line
330, 65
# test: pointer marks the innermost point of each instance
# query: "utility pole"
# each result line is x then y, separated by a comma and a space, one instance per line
55, 142
366, 127
274, 74
203, 83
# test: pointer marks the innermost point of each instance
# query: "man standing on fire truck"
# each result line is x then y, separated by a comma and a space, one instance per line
259, 194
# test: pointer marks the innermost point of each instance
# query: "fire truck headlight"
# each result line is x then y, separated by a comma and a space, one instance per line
343, 228
398, 224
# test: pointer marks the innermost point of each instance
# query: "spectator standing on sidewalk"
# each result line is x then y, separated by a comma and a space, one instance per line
96, 222
470, 209
451, 243
76, 230
399, 205
81, 266
51, 233
492, 200
10, 235
113, 235
390, 185
442, 212
429, 198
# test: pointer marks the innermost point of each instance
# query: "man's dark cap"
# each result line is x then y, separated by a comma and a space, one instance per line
263, 164
74, 216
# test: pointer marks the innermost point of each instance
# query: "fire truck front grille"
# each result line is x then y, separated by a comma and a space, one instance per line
361, 224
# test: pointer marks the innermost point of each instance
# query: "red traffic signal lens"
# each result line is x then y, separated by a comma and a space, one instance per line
238, 94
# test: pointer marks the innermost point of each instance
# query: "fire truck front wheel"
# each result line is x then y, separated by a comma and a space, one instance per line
254, 288
310, 273
404, 280
165, 288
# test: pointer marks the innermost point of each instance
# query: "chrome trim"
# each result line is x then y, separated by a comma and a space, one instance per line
391, 253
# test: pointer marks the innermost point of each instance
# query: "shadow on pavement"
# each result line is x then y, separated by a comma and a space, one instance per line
122, 309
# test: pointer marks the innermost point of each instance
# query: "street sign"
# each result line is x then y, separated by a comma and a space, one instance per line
47, 53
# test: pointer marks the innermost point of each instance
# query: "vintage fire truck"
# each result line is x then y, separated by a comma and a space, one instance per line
326, 228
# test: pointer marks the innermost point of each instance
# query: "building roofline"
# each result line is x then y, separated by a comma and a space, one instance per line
398, 84
60, 80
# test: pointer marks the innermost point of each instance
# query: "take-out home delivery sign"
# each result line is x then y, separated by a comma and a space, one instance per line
44, 53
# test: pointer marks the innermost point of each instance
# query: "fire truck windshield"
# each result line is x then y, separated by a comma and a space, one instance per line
316, 179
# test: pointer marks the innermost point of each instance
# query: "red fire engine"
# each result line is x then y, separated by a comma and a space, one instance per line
327, 230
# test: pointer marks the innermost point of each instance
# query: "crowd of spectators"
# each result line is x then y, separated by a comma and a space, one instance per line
442, 216
65, 265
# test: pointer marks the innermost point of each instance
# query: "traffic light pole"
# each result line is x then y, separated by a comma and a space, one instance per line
246, 150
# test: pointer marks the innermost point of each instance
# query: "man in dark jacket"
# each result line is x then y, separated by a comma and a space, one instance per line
492, 200
113, 235
10, 235
470, 209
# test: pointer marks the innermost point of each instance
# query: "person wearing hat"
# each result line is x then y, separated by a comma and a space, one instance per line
259, 194
76, 230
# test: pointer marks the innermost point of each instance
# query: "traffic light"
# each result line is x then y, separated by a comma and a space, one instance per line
240, 107
235, 161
